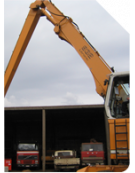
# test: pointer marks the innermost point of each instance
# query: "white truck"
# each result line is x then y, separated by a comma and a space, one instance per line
66, 159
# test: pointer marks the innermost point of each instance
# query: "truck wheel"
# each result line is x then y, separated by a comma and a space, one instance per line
105, 171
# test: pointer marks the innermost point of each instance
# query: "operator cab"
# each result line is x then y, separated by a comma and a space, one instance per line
118, 102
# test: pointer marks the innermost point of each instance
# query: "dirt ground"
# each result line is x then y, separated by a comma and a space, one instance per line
32, 171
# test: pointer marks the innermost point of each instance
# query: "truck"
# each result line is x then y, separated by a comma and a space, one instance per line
92, 153
7, 165
112, 86
66, 159
27, 155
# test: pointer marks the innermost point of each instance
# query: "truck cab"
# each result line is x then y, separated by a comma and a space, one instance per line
66, 159
27, 155
92, 153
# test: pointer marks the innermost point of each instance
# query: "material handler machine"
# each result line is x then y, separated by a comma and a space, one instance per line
112, 86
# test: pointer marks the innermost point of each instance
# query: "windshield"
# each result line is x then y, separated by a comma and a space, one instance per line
64, 154
126, 88
27, 147
92, 147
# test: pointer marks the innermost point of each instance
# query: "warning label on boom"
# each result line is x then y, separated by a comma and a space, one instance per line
86, 52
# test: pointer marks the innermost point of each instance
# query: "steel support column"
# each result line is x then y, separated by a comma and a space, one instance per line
43, 139
107, 139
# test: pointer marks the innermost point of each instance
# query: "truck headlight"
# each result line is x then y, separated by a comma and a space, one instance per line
18, 161
36, 161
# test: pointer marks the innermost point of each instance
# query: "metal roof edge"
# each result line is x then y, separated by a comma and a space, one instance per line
55, 107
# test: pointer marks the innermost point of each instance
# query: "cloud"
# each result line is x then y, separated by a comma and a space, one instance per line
12, 101
67, 98
71, 99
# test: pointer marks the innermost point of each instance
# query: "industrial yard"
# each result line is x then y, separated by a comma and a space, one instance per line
53, 128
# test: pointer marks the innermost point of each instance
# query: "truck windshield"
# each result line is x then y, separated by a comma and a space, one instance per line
25, 147
92, 147
64, 154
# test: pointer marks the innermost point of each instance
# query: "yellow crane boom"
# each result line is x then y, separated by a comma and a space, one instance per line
67, 30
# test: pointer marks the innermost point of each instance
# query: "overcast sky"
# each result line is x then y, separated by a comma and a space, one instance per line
51, 72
